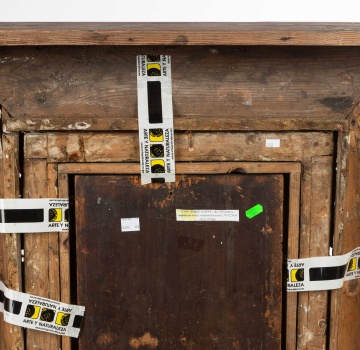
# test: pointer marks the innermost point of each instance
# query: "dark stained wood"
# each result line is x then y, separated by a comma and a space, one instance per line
175, 285
216, 83
334, 34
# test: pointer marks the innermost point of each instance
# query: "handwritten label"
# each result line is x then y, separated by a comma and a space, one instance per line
130, 224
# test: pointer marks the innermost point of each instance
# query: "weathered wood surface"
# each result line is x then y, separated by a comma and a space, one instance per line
64, 256
345, 303
41, 250
198, 123
209, 84
117, 147
314, 241
11, 337
333, 34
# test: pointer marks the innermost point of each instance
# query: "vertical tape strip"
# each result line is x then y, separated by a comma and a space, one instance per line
322, 273
155, 118
42, 314
34, 215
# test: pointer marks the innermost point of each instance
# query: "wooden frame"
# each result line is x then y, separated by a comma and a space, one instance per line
293, 169
302, 82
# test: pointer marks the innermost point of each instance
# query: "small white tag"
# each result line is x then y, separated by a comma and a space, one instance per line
272, 143
130, 224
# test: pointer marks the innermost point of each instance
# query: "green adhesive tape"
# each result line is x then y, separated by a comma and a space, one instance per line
256, 210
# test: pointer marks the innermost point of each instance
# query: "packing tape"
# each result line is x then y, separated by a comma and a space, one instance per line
42, 314
322, 273
34, 215
155, 119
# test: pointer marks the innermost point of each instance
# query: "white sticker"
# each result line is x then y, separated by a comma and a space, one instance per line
38, 313
207, 215
274, 143
322, 273
34, 215
130, 224
155, 119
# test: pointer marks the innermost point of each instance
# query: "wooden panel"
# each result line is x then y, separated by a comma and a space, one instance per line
208, 83
41, 251
10, 244
345, 303
179, 284
180, 34
315, 241
117, 147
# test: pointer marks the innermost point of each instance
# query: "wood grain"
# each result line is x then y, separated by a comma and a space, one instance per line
340, 34
189, 146
219, 84
315, 241
41, 252
345, 303
12, 337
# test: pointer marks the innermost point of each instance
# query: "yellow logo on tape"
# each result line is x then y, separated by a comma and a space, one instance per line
352, 264
297, 275
62, 319
157, 166
154, 69
156, 135
32, 311
55, 215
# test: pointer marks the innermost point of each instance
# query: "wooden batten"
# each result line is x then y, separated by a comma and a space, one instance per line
345, 302
213, 87
10, 243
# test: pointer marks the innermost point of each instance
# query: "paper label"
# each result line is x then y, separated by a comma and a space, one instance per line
207, 215
130, 224
274, 143
38, 313
155, 119
34, 215
322, 273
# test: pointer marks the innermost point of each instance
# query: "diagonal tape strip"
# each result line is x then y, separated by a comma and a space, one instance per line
322, 273
29, 311
34, 215
155, 119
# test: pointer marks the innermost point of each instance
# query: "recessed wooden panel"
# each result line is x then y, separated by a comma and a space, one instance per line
179, 285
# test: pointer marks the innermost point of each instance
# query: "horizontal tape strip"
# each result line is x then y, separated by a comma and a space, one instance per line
322, 273
29, 311
155, 119
34, 215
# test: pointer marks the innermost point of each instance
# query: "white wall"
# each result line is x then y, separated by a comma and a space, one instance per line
179, 11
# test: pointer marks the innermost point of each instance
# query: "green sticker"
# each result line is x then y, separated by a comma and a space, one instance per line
256, 210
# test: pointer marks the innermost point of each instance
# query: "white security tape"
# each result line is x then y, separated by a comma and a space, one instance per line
155, 119
42, 314
34, 215
322, 273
